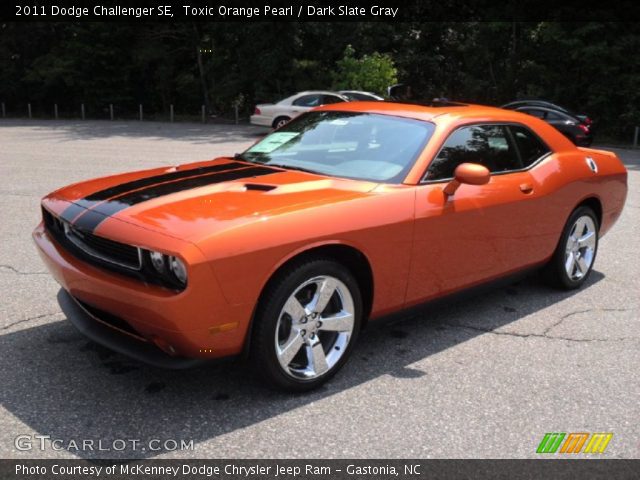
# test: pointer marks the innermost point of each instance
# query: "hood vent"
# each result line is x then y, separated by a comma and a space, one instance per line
259, 187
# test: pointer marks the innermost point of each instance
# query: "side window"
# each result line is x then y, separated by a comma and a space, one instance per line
535, 112
554, 116
488, 145
328, 99
530, 146
307, 101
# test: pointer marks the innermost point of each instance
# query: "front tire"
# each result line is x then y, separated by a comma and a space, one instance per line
306, 325
575, 254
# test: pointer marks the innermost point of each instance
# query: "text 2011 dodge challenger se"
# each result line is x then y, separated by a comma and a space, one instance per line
348, 213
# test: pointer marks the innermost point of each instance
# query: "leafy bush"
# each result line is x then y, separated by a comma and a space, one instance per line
372, 73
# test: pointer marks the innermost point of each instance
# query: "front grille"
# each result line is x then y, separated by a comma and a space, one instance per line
93, 248
51, 222
104, 249
107, 254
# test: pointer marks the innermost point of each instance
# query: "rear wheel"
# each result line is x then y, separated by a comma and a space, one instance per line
575, 254
280, 122
307, 324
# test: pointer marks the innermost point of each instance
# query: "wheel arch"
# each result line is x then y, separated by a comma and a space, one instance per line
349, 256
279, 117
595, 204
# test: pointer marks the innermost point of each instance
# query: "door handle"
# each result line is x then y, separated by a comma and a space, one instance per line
526, 188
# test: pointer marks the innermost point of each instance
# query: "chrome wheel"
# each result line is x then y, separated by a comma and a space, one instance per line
281, 123
314, 327
580, 248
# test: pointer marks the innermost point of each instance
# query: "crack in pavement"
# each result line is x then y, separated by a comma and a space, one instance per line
538, 335
545, 333
24, 320
578, 312
4, 268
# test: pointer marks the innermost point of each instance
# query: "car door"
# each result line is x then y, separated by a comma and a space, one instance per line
564, 123
558, 120
536, 112
328, 99
482, 231
304, 104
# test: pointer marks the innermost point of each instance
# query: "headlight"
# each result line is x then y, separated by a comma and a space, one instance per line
167, 270
157, 260
179, 269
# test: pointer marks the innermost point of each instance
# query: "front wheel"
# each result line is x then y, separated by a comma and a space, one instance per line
306, 325
575, 254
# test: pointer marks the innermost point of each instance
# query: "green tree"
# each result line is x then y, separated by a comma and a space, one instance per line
590, 67
373, 73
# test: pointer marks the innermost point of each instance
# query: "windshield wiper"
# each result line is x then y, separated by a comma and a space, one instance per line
240, 156
293, 167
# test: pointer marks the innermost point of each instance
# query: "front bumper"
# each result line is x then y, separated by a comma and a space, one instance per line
93, 328
185, 325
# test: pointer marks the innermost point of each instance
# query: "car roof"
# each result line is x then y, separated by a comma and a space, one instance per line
428, 113
539, 103
358, 91
544, 103
547, 109
316, 92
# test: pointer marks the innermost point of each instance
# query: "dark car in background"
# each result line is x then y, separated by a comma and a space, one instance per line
578, 128
584, 118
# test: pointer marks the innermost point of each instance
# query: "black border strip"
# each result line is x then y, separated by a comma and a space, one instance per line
312, 11
347, 469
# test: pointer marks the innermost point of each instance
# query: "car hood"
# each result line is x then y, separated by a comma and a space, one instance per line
194, 201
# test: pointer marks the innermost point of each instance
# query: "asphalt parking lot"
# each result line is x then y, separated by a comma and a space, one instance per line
481, 378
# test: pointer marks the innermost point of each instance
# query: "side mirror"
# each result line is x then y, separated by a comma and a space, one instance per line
469, 173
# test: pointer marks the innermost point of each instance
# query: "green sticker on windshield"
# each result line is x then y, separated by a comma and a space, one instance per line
273, 141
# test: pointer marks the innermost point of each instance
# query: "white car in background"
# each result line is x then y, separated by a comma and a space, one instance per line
360, 96
276, 115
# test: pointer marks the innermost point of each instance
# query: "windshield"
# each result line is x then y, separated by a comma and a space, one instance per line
363, 146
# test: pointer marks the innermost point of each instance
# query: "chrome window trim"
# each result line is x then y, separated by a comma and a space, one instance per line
506, 124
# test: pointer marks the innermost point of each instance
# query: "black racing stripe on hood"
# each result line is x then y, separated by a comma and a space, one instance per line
71, 212
92, 218
81, 205
98, 197
111, 192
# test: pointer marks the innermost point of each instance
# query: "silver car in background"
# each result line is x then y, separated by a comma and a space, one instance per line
361, 96
275, 115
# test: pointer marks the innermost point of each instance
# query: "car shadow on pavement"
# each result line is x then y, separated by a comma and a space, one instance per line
60, 384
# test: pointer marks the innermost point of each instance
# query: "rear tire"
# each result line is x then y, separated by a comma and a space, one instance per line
306, 325
280, 122
575, 254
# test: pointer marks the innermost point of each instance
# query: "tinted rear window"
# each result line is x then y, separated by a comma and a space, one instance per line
530, 146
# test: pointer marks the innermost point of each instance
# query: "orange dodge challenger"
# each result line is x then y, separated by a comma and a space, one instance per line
346, 214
